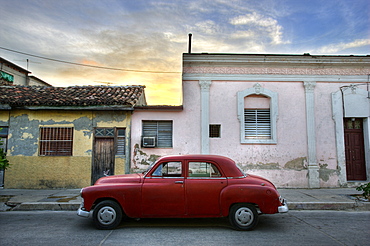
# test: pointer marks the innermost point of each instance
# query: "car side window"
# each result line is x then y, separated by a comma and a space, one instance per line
203, 170
168, 169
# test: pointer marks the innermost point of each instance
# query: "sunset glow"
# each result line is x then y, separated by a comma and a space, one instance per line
141, 42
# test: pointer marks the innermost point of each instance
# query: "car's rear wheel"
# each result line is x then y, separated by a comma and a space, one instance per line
243, 216
107, 215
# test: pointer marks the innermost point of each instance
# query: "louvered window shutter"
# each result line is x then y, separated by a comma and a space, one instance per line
161, 130
257, 123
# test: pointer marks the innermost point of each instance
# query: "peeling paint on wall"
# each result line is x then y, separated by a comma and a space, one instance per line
297, 164
83, 123
141, 160
30, 170
88, 133
21, 139
110, 118
259, 166
325, 173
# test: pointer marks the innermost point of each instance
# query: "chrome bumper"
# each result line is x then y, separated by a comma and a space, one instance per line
284, 208
81, 212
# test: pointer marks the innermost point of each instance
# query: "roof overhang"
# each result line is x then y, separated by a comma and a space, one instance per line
71, 108
159, 108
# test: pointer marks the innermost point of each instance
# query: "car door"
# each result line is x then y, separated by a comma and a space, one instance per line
203, 187
163, 192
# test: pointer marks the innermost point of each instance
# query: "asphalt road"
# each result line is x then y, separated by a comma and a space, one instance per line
294, 228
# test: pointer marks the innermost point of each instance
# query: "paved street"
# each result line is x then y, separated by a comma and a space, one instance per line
294, 228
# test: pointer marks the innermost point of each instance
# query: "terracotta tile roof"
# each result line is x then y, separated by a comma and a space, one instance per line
18, 96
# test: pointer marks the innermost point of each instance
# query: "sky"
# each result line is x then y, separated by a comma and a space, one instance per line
143, 40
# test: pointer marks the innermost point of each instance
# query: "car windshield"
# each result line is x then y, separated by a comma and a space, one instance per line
150, 167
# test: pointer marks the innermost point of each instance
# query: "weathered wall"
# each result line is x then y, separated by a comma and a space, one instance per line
29, 170
141, 158
284, 163
48, 172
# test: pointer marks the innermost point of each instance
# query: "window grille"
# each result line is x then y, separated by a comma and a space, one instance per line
161, 130
56, 141
257, 123
214, 131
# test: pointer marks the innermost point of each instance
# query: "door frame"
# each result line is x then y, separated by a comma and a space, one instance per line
339, 113
350, 146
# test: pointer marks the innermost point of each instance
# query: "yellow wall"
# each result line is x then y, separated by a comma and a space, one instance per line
48, 172
29, 170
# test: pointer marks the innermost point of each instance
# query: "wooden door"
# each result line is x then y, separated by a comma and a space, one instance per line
354, 149
103, 158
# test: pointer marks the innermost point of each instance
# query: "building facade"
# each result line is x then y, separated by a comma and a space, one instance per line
66, 137
301, 121
12, 74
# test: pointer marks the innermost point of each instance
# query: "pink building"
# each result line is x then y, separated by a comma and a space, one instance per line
301, 121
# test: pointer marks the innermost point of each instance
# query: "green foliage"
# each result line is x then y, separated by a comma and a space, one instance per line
4, 163
365, 188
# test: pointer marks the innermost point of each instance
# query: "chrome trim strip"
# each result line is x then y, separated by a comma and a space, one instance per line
241, 177
213, 178
160, 177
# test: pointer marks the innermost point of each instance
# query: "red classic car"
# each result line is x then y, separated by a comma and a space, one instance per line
186, 186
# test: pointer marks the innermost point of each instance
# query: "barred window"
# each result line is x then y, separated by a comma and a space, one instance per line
56, 141
214, 131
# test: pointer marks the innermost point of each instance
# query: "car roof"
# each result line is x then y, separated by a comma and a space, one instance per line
226, 164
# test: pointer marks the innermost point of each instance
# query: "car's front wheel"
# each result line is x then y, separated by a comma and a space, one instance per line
243, 216
107, 215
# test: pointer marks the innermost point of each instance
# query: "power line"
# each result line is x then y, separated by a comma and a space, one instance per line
85, 65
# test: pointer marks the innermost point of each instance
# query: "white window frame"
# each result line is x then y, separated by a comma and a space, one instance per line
273, 96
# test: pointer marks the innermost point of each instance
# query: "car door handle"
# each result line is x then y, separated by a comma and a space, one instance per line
179, 182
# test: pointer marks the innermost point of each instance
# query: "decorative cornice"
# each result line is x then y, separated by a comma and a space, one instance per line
276, 70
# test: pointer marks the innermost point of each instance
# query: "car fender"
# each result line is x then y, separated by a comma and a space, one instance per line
265, 197
127, 195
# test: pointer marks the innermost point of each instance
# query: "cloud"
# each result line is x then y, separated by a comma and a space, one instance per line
340, 47
263, 24
152, 35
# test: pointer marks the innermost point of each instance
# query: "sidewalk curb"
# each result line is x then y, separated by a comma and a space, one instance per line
354, 206
39, 206
73, 206
54, 206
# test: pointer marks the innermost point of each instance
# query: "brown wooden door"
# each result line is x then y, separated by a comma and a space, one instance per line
354, 149
103, 158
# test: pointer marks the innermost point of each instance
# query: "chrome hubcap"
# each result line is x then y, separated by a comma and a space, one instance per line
244, 216
106, 215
